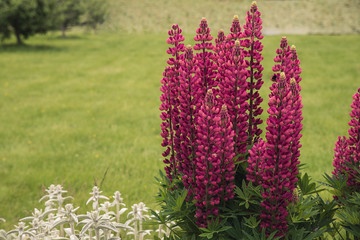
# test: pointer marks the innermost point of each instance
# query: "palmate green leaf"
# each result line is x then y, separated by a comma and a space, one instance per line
207, 235
304, 210
249, 237
296, 234
235, 229
252, 190
355, 166
316, 234
239, 192
251, 222
353, 229
180, 200
326, 212
338, 184
303, 234
248, 195
349, 215
306, 186
261, 236
215, 230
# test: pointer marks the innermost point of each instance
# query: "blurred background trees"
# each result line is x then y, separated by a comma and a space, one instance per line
24, 18
66, 13
95, 13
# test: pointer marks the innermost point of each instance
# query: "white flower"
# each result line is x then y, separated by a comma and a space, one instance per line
96, 197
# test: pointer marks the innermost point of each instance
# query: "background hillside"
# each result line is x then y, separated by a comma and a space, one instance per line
279, 16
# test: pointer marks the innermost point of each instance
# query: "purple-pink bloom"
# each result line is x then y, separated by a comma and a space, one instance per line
214, 169
297, 126
273, 164
205, 58
277, 176
253, 35
170, 101
166, 125
235, 30
226, 153
283, 59
190, 102
255, 162
347, 150
295, 65
232, 92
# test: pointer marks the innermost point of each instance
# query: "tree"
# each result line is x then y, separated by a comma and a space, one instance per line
24, 18
66, 13
95, 12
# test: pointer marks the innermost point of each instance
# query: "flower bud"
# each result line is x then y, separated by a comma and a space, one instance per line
253, 7
188, 53
235, 26
283, 43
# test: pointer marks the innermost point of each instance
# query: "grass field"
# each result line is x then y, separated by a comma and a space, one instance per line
73, 108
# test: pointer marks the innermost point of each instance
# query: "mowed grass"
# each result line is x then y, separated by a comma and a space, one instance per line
74, 109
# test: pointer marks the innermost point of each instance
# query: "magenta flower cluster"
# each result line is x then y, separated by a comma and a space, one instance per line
273, 164
170, 101
347, 150
211, 109
214, 169
252, 35
190, 89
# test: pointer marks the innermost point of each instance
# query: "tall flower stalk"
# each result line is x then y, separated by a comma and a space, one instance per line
253, 35
283, 61
205, 58
226, 155
189, 99
170, 101
214, 169
347, 150
276, 169
233, 93
273, 164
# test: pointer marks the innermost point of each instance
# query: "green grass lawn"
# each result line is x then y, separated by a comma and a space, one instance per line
73, 108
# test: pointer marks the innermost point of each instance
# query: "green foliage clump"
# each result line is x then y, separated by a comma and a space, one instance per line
310, 217
66, 13
24, 18
95, 13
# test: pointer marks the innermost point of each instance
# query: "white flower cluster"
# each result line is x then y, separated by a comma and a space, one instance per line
60, 221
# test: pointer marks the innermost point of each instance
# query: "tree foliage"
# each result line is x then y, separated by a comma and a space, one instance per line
66, 13
23, 18
95, 12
